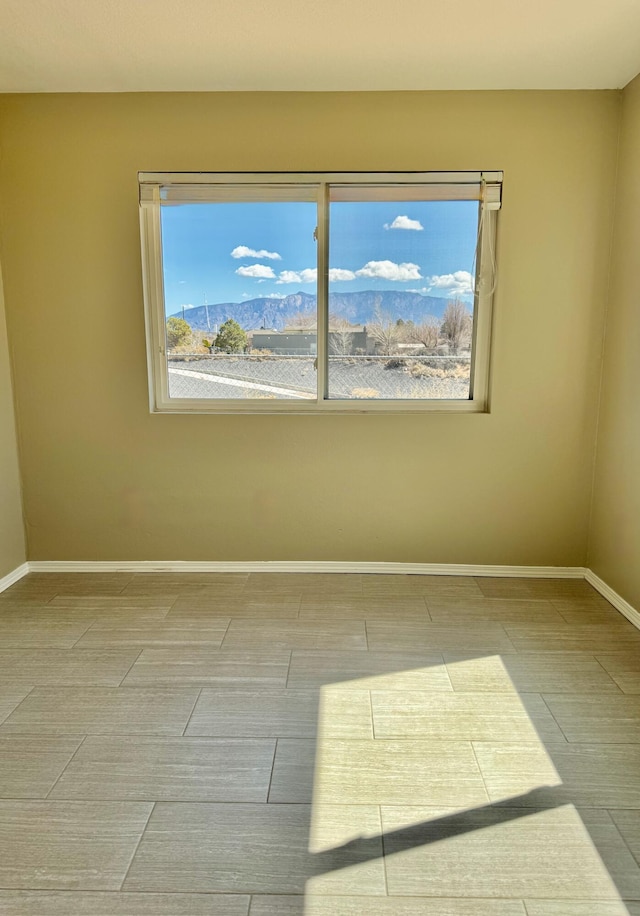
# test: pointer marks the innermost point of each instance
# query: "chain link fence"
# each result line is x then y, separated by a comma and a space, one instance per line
271, 376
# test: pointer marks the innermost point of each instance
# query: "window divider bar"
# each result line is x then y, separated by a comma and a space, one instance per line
322, 292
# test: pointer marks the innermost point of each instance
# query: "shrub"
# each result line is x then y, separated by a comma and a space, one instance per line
421, 370
362, 393
461, 370
457, 370
178, 332
231, 337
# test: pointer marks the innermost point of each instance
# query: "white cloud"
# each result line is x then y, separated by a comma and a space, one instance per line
389, 270
276, 296
257, 270
459, 283
403, 222
185, 306
423, 291
308, 275
243, 252
339, 273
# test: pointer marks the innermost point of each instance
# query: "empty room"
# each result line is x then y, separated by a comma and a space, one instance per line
319, 451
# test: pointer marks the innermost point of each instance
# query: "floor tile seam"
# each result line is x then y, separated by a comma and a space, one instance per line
274, 737
129, 735
607, 696
620, 626
273, 765
602, 623
372, 722
288, 675
265, 690
72, 892
609, 675
427, 608
271, 805
383, 857
481, 694
492, 740
562, 746
171, 605
128, 582
117, 687
478, 580
413, 898
4, 721
139, 645
130, 668
149, 800
155, 682
47, 796
456, 741
445, 665
106, 799
527, 810
162, 735
150, 739
481, 772
610, 809
226, 630
193, 709
585, 900
136, 847
84, 633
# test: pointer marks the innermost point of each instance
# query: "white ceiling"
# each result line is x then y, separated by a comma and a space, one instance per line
161, 45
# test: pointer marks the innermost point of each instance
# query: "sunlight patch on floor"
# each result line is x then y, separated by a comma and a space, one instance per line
460, 789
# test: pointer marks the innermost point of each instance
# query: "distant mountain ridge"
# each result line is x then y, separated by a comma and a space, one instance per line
356, 307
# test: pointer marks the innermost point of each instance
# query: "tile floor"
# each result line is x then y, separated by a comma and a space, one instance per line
317, 745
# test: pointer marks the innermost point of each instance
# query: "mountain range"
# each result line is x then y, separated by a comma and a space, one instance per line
356, 307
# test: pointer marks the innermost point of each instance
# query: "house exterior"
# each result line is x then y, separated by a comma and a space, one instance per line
302, 342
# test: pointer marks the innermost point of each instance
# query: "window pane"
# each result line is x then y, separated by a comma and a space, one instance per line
240, 299
401, 279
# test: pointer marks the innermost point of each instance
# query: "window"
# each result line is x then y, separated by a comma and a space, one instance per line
311, 293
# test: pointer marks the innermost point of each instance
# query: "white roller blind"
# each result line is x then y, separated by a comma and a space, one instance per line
211, 187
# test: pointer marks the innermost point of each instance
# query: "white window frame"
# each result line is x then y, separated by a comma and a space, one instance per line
485, 187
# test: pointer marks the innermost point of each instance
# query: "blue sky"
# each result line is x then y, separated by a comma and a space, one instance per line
231, 252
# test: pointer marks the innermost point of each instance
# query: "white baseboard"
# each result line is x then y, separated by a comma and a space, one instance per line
307, 566
327, 566
13, 577
613, 598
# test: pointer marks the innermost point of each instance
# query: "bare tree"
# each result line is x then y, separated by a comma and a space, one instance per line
341, 336
456, 325
384, 331
427, 333
303, 320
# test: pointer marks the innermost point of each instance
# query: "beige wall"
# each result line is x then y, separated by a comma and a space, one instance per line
614, 550
12, 546
106, 480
